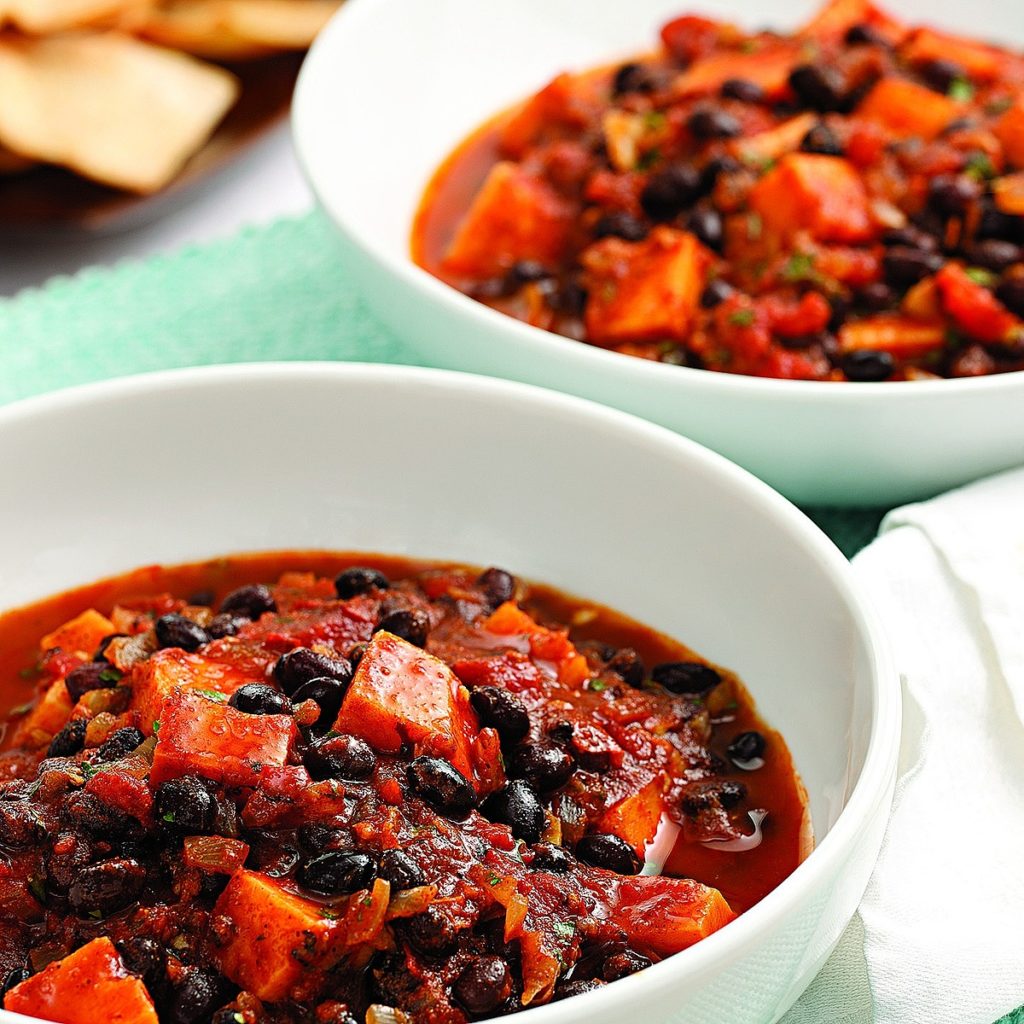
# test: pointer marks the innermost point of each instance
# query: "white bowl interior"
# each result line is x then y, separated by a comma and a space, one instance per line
183, 466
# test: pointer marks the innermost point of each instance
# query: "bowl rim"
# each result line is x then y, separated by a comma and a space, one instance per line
310, 122
873, 787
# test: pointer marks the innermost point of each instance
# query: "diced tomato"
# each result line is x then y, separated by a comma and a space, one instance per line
690, 37
512, 671
515, 216
797, 318
615, 191
89, 985
974, 309
545, 644
809, 192
128, 793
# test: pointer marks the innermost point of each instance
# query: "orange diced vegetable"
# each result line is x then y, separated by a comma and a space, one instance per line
87, 986
974, 309
899, 335
515, 216
400, 694
565, 100
46, 719
636, 818
644, 290
171, 669
668, 914
775, 142
768, 67
1009, 194
206, 737
837, 17
276, 935
546, 644
908, 109
978, 60
81, 636
820, 194
1009, 130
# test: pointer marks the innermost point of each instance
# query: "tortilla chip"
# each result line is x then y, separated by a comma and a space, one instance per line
108, 106
235, 29
41, 17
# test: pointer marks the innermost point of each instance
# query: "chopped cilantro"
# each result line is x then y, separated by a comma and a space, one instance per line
979, 275
96, 914
29, 673
169, 817
648, 159
328, 915
999, 106
37, 888
216, 695
493, 879
156, 726
21, 709
111, 675
754, 226
238, 1017
742, 317
799, 267
961, 89
654, 120
980, 167
564, 929
597, 685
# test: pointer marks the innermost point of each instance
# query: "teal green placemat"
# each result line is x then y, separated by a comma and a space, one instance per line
273, 293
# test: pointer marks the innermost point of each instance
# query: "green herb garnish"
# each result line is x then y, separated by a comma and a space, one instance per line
980, 167
979, 275
799, 267
742, 317
961, 89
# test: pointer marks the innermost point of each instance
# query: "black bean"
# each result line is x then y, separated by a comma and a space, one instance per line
939, 74
950, 194
569, 300
251, 601
708, 123
185, 805
301, 665
840, 311
609, 852
546, 765
715, 168
560, 731
549, 857
996, 224
802, 341
358, 580
668, 192
70, 740
731, 794
867, 365
865, 35
623, 964
144, 957
201, 598
706, 223
1011, 294
498, 585
340, 757
86, 813
483, 985
176, 631
315, 837
412, 624
995, 254
748, 746
337, 873
260, 699
690, 677
400, 871
225, 625
742, 89
715, 292
518, 807
818, 86
620, 225
634, 77
903, 266
525, 272
431, 932
122, 743
194, 998
876, 296
355, 655
392, 983
822, 140
106, 887
91, 676
445, 788
911, 237
568, 989
503, 711
101, 651
15, 977
328, 693
626, 664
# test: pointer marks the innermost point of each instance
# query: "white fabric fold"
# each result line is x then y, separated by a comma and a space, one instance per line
940, 933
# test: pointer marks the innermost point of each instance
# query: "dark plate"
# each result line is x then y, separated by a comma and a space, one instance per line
48, 199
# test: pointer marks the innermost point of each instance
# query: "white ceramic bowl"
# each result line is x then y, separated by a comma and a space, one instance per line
184, 465
391, 86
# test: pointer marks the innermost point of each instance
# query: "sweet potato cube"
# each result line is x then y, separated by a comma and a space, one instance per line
515, 216
81, 635
1009, 130
636, 818
820, 194
46, 719
668, 914
644, 291
400, 694
899, 335
89, 985
276, 935
978, 60
201, 736
768, 67
155, 679
907, 109
837, 17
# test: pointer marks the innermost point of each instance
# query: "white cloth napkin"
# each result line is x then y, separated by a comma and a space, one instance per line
940, 933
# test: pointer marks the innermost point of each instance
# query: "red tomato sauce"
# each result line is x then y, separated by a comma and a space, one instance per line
845, 203
289, 787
